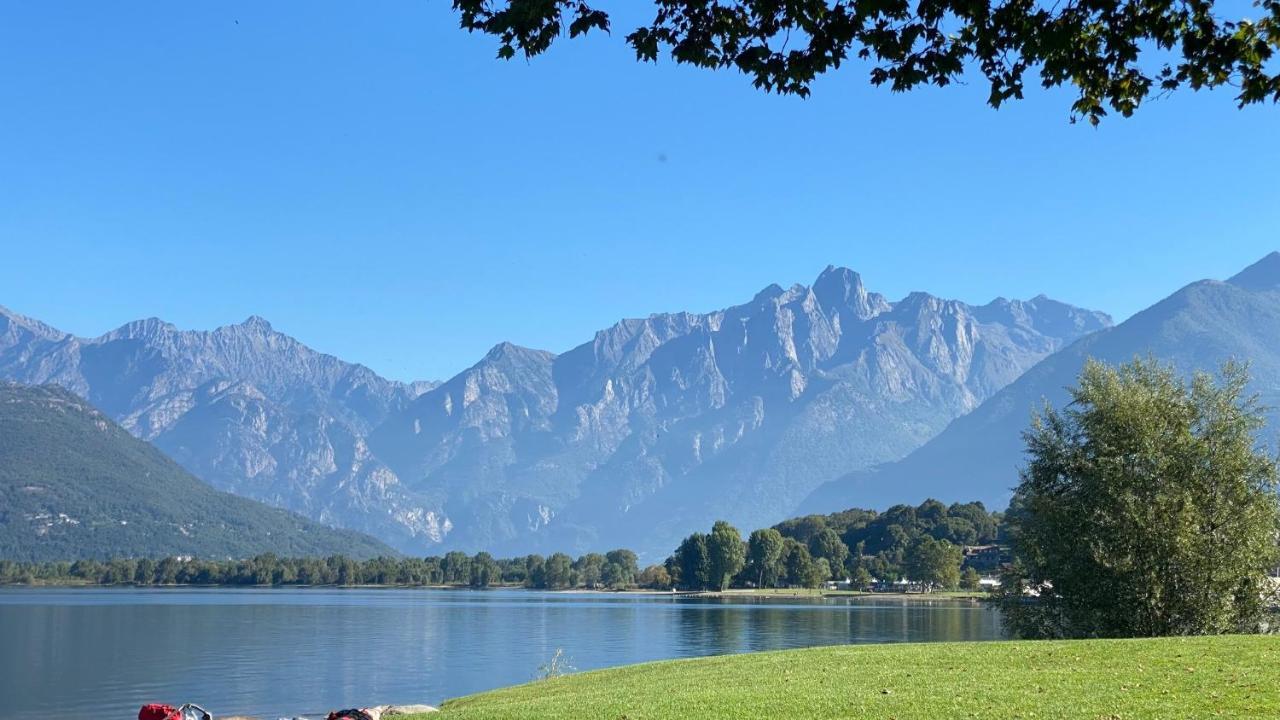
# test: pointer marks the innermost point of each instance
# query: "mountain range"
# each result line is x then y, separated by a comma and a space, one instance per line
74, 484
247, 409
979, 454
652, 428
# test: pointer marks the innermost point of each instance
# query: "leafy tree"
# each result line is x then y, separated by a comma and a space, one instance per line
558, 572
955, 529
857, 556
726, 552
984, 523
936, 563
798, 562
535, 572
263, 569
484, 570
803, 529
827, 545
693, 562
862, 579
764, 550
145, 574
818, 572
345, 570
892, 540
513, 571
1114, 53
590, 568
1145, 509
627, 567
457, 568
931, 512
970, 579
166, 571
614, 577
655, 577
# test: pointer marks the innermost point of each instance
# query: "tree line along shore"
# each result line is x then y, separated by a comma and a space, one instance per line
931, 546
1147, 507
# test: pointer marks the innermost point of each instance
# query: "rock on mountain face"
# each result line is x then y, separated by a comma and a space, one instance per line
245, 408
661, 425
978, 456
655, 427
75, 485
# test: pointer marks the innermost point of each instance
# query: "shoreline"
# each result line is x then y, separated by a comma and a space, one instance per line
770, 594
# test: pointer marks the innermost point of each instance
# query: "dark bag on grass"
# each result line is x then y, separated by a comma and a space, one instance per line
351, 714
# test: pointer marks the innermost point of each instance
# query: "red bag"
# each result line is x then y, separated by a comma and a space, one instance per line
157, 711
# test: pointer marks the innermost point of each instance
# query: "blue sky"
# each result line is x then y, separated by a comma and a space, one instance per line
371, 180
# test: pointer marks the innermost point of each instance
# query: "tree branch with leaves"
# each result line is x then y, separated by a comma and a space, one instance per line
1115, 53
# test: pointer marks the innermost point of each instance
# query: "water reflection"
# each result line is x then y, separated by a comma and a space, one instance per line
95, 652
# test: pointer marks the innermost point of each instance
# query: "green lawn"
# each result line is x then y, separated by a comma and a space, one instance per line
1235, 677
785, 593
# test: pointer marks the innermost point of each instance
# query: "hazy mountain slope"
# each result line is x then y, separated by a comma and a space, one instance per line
662, 424
978, 455
74, 484
245, 408
654, 427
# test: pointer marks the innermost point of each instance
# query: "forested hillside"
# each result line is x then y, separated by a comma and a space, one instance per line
73, 485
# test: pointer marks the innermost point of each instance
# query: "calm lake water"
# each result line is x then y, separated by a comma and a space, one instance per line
101, 653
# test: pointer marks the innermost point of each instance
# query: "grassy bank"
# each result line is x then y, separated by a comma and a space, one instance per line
804, 593
1165, 678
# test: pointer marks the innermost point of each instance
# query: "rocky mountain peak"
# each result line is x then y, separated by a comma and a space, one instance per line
650, 428
922, 302
1262, 275
151, 328
11, 323
510, 353
840, 288
257, 323
768, 295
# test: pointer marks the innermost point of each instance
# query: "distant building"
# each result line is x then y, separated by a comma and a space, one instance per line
985, 558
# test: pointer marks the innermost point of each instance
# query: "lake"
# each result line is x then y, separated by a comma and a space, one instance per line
77, 653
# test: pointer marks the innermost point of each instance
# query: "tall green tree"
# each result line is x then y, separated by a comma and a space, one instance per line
727, 553
590, 568
764, 550
818, 572
828, 545
936, 563
797, 561
484, 570
535, 571
145, 574
627, 567
558, 572
862, 579
457, 568
693, 562
1146, 509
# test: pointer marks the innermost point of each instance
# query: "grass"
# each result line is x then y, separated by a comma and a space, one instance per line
819, 593
801, 592
1229, 676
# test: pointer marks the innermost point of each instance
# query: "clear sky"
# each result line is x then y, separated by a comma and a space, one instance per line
368, 177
